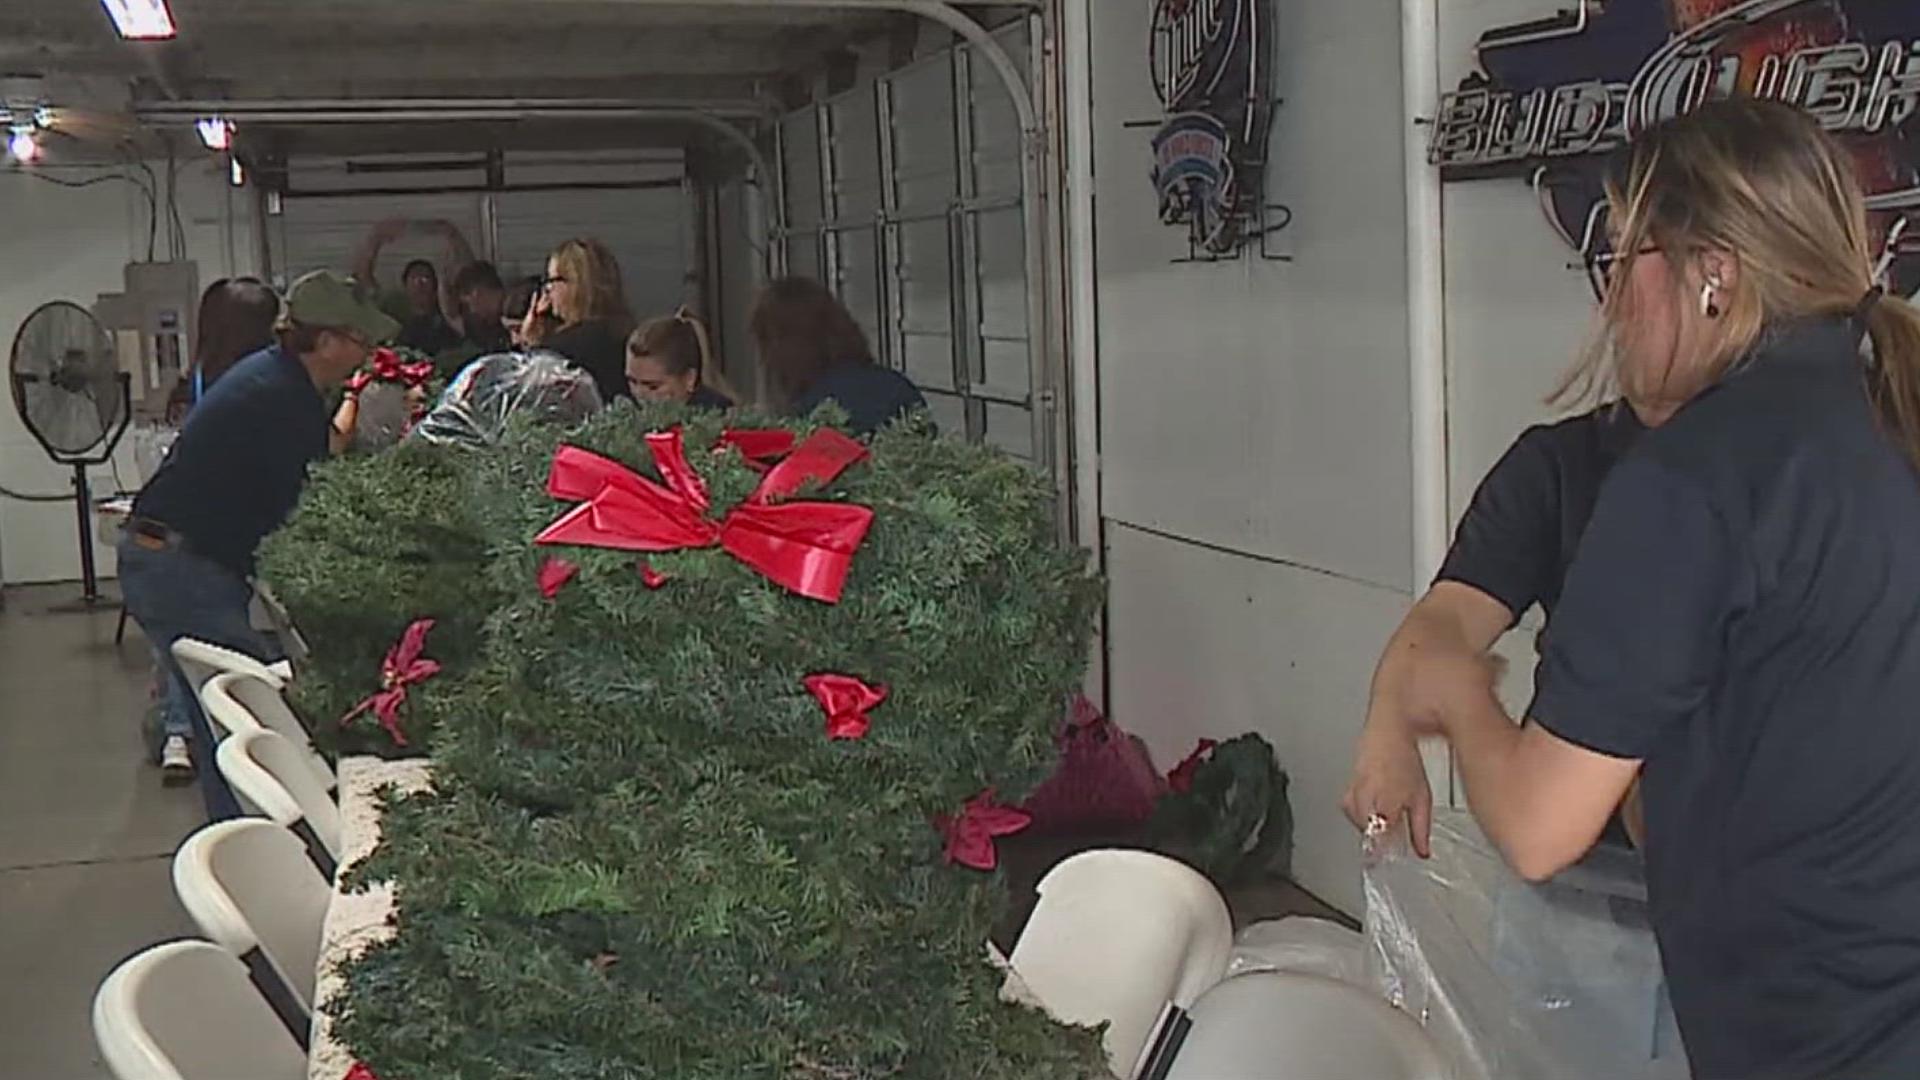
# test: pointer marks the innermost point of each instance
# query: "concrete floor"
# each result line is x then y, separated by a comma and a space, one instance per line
87, 832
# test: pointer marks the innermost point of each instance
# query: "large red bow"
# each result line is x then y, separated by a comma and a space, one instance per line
845, 700
807, 547
403, 667
970, 833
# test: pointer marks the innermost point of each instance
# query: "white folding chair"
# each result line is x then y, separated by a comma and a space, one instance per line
201, 660
186, 1011
271, 778
235, 702
1290, 1026
1116, 936
250, 887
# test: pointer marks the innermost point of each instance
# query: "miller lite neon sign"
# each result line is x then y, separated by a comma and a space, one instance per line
1553, 96
1211, 62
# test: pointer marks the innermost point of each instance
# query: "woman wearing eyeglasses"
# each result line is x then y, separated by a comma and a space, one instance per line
581, 313
1742, 621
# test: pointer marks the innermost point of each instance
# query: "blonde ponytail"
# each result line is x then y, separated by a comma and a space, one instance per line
1893, 325
710, 374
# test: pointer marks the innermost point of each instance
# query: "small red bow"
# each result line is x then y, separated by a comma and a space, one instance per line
970, 833
403, 667
806, 547
1180, 780
845, 700
359, 1071
555, 573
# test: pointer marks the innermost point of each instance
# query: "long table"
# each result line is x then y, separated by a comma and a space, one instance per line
355, 920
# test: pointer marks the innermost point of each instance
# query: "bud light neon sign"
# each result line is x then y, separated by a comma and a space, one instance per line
1553, 96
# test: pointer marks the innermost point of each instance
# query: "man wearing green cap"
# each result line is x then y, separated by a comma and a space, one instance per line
232, 477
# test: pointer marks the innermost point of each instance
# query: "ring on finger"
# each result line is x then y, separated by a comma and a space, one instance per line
1376, 824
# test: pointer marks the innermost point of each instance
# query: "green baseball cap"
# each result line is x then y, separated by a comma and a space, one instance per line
324, 298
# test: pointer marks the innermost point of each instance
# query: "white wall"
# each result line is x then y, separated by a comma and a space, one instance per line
71, 244
1255, 422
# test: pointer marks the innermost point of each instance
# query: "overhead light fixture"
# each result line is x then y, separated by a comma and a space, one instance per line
215, 132
141, 20
24, 147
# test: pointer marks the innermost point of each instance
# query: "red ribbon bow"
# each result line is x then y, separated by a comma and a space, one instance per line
761, 448
845, 700
806, 547
555, 573
359, 1071
1180, 780
970, 833
389, 368
403, 667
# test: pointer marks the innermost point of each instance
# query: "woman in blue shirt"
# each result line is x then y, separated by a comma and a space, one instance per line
817, 353
1741, 623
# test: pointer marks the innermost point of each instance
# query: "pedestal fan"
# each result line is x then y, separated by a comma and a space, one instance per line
76, 403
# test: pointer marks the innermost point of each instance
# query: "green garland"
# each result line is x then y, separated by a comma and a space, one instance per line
643, 857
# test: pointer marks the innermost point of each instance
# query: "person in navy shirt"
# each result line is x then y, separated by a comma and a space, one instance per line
816, 353
1741, 623
232, 477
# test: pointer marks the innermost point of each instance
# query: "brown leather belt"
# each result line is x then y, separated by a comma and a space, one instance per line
155, 535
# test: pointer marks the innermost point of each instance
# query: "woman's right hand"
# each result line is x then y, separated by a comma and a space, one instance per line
1390, 781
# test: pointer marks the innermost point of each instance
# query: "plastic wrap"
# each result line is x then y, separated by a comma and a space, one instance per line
386, 413
1302, 945
1515, 980
150, 444
478, 403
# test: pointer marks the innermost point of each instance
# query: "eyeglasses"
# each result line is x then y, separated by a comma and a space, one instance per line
1599, 267
550, 282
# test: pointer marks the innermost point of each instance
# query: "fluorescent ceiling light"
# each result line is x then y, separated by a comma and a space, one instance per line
215, 133
140, 19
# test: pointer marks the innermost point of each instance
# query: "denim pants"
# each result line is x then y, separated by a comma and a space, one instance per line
173, 593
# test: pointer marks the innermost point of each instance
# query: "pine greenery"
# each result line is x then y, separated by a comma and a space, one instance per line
643, 857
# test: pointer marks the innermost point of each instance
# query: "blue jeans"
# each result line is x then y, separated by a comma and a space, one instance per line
173, 593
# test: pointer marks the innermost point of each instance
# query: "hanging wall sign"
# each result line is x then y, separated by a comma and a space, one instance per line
1552, 97
1211, 62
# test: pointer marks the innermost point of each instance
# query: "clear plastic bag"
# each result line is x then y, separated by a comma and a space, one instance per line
477, 404
1514, 980
386, 413
1303, 945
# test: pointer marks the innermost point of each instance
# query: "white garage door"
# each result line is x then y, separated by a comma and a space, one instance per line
646, 221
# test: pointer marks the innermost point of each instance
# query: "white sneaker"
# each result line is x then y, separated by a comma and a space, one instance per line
176, 764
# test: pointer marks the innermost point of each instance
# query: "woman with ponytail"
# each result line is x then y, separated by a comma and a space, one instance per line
671, 359
1741, 624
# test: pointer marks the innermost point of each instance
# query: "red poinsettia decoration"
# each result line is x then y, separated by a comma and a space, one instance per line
846, 701
1180, 780
402, 668
971, 832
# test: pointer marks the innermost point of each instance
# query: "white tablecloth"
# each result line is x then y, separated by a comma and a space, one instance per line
355, 920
